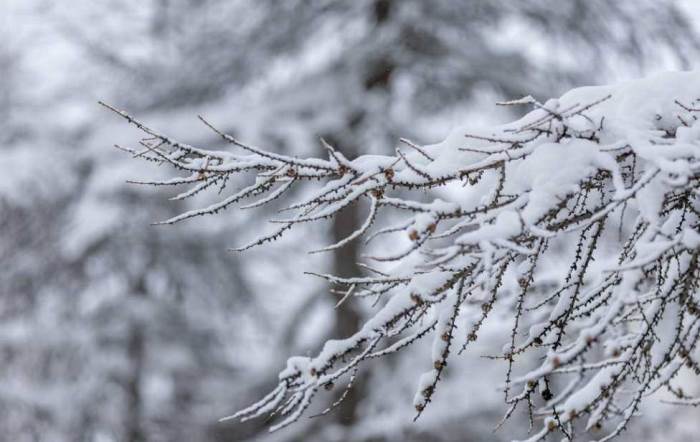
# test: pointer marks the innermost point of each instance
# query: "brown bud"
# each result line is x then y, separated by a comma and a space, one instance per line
416, 298
291, 172
439, 365
378, 193
445, 337
471, 337
413, 234
551, 425
432, 227
420, 407
556, 362
389, 174
313, 371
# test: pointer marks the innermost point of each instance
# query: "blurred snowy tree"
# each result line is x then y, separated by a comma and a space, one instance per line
102, 337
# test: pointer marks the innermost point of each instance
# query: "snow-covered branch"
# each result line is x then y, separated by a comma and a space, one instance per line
580, 222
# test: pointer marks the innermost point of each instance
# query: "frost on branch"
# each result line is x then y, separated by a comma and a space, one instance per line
580, 221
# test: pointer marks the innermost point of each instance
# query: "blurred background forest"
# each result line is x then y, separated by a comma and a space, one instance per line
115, 330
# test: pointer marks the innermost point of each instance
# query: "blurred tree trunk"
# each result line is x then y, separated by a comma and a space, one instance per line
135, 347
347, 315
348, 318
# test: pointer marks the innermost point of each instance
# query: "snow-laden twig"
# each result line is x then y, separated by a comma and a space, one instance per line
580, 222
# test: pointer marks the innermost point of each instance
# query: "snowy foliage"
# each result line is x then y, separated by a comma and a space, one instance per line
579, 222
163, 327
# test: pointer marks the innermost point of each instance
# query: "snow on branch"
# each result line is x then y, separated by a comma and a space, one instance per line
580, 222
